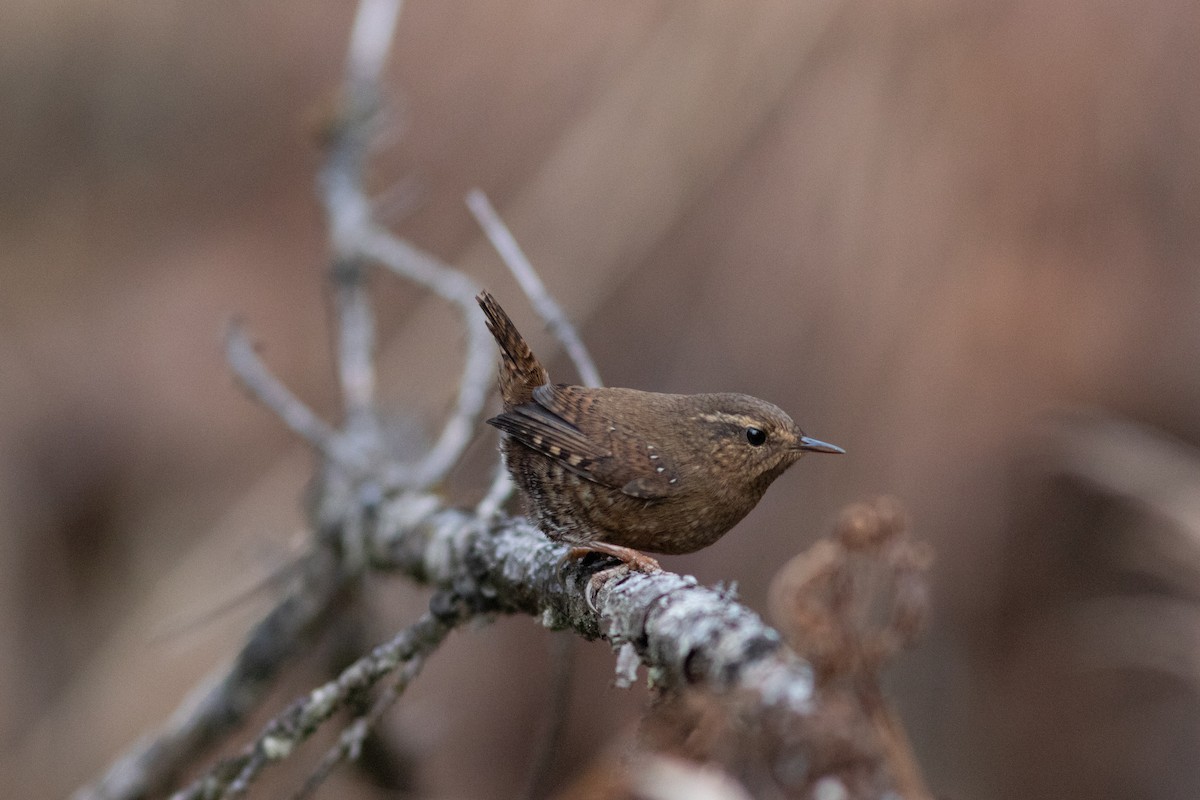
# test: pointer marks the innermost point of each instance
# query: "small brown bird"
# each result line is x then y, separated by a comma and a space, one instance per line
619, 471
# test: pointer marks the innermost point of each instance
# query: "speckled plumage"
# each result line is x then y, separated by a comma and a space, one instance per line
611, 469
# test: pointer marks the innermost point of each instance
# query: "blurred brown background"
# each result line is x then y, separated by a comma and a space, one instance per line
932, 231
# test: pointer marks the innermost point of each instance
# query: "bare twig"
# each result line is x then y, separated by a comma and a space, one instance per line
215, 709
497, 494
475, 383
232, 777
357, 239
349, 210
545, 305
350, 743
371, 41
514, 258
269, 391
356, 350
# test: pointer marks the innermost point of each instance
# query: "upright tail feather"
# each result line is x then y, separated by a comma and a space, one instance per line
520, 371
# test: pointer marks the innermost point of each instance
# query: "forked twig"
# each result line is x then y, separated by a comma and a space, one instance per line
233, 777
475, 382
216, 707
348, 208
271, 392
350, 742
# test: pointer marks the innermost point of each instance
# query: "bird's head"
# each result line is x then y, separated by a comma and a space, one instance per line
751, 440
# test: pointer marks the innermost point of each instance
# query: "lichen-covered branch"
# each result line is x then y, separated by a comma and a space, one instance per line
686, 634
152, 764
233, 777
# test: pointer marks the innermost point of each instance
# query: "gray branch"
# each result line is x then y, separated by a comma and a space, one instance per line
205, 718
233, 777
544, 303
686, 634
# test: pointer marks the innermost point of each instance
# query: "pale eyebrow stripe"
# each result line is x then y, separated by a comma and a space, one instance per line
731, 419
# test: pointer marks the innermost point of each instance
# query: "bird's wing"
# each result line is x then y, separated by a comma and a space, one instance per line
563, 425
543, 431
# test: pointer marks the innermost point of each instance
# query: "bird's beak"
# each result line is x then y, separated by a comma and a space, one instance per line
812, 445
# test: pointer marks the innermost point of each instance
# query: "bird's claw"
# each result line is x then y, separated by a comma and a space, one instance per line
630, 561
599, 579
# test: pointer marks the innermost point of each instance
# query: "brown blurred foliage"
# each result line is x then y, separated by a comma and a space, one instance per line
921, 228
849, 604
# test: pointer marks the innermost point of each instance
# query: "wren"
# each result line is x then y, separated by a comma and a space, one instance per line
619, 471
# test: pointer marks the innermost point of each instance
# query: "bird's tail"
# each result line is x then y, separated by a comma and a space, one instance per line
520, 371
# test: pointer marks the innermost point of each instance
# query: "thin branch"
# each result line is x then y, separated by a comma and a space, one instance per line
518, 263
349, 210
371, 41
356, 238
232, 777
270, 391
216, 708
356, 349
545, 305
350, 742
475, 383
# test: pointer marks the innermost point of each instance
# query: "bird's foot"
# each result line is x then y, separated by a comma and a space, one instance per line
634, 559
631, 561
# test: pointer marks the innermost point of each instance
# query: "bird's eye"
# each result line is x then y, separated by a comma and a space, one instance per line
756, 436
